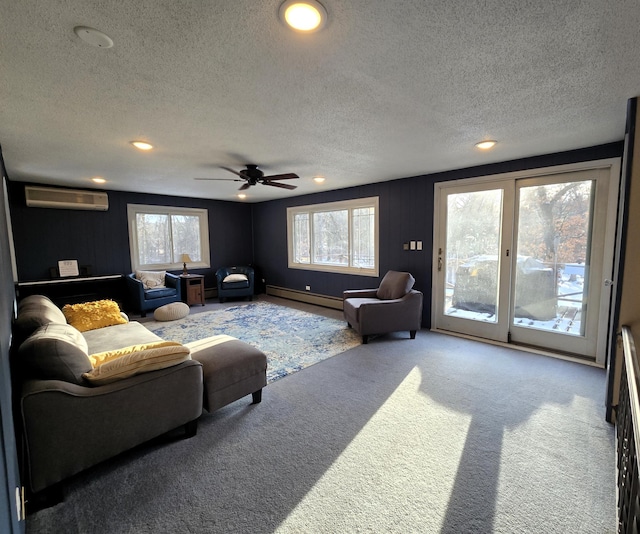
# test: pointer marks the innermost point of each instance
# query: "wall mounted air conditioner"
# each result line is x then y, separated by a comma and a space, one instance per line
71, 199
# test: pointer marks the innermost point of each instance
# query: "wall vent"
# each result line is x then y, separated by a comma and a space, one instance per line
70, 199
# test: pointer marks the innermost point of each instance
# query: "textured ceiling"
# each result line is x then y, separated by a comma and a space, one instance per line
388, 89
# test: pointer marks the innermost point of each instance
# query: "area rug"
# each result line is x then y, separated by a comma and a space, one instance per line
291, 339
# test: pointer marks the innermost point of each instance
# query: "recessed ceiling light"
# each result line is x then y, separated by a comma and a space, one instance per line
303, 15
318, 179
242, 196
98, 180
486, 145
142, 145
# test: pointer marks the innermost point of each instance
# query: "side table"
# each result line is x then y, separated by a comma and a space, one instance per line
192, 288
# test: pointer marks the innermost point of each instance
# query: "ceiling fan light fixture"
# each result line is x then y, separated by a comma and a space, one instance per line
142, 145
486, 145
305, 16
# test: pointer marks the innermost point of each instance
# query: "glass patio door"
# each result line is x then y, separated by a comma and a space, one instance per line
522, 260
473, 260
559, 273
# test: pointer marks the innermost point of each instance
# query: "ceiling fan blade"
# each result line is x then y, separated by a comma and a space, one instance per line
221, 179
287, 176
244, 186
276, 184
234, 172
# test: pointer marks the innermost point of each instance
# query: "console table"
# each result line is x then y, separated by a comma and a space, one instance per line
77, 289
192, 288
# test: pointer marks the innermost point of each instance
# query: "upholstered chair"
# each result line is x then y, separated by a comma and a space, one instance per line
392, 307
235, 282
149, 290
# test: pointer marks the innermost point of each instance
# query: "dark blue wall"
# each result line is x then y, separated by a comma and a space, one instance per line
101, 238
9, 476
406, 214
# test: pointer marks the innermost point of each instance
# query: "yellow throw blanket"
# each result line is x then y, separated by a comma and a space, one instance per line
128, 361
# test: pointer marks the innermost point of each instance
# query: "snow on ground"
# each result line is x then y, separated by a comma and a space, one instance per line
568, 317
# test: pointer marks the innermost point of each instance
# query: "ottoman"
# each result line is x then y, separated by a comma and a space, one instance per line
231, 369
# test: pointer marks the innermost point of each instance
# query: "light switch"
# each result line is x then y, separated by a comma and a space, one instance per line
405, 246
419, 245
412, 245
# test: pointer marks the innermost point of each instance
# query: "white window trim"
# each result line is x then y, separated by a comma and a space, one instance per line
203, 217
329, 206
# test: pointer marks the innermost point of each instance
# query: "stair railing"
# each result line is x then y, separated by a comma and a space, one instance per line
628, 437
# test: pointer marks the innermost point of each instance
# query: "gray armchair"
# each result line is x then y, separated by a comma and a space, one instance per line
392, 307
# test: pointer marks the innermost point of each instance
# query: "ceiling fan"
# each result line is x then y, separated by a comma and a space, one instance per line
252, 176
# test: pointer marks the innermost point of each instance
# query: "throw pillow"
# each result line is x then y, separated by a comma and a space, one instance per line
235, 278
151, 279
395, 285
55, 352
92, 315
129, 361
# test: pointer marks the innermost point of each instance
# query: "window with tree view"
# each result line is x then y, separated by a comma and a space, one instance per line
338, 237
159, 235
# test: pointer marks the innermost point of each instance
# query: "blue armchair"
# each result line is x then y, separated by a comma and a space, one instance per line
145, 300
235, 282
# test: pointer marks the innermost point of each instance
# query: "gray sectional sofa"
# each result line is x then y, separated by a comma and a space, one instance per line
69, 424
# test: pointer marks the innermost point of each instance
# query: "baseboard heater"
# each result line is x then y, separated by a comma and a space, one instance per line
305, 296
628, 437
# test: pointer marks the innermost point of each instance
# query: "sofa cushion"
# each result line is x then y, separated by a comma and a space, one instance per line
129, 361
234, 285
395, 285
237, 277
118, 336
151, 279
35, 311
55, 352
150, 294
92, 315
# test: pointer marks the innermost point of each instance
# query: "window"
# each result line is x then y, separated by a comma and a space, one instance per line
159, 235
336, 237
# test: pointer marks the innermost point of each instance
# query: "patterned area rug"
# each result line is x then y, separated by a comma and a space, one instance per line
291, 339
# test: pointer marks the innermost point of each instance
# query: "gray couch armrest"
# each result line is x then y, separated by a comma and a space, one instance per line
359, 293
69, 428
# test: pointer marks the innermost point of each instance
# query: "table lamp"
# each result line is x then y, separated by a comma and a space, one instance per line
184, 258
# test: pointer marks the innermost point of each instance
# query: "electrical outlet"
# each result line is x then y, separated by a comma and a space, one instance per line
308, 288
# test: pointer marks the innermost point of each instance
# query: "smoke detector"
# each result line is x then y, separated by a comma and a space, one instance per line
93, 37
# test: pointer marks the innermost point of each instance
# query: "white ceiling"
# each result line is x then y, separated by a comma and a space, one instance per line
388, 89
